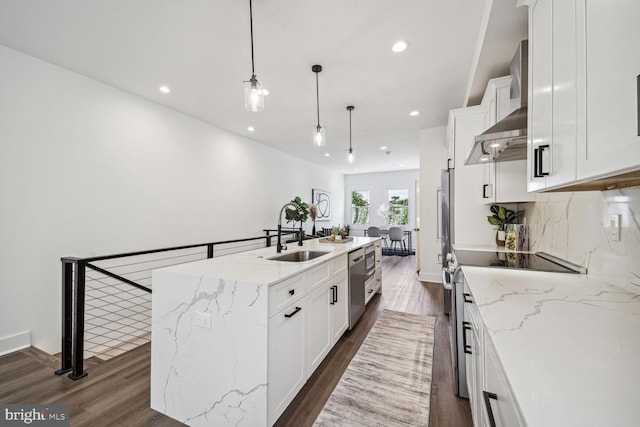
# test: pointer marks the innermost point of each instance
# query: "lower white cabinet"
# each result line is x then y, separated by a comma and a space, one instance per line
319, 325
491, 400
498, 400
339, 307
314, 318
287, 371
474, 357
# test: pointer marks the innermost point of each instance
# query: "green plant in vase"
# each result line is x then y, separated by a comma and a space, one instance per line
500, 217
300, 213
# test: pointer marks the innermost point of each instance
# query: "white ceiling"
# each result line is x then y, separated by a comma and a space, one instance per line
201, 49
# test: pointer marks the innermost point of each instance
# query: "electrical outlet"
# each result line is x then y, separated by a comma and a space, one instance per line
202, 319
614, 227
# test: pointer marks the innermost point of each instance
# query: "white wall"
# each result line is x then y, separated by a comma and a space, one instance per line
433, 158
87, 169
378, 185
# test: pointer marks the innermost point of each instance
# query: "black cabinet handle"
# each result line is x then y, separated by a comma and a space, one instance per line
370, 290
538, 168
467, 297
334, 298
484, 191
466, 326
292, 291
487, 395
293, 313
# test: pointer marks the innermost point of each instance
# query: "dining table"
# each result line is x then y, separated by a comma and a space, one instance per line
408, 233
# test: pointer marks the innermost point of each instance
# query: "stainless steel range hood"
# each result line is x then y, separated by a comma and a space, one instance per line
507, 139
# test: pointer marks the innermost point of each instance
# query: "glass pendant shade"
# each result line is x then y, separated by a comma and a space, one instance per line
350, 154
253, 95
319, 136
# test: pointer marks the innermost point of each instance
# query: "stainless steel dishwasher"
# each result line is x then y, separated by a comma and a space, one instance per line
356, 285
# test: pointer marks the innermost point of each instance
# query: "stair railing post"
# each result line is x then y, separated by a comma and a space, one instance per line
78, 317
67, 314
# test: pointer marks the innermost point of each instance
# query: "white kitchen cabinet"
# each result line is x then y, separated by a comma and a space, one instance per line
339, 307
552, 95
504, 182
287, 371
474, 357
497, 397
470, 224
490, 395
583, 102
610, 81
319, 334
328, 312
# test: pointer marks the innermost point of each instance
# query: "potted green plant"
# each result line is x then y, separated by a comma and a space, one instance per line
300, 213
500, 217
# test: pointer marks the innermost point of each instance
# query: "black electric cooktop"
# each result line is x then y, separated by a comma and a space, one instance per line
517, 260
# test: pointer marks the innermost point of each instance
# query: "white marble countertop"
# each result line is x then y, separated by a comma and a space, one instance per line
569, 344
256, 267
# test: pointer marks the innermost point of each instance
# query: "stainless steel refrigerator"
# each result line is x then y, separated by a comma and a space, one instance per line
453, 285
446, 232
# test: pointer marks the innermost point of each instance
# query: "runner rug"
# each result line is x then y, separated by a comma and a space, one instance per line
388, 382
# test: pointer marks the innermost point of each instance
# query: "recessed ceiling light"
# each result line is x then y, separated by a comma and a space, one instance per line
495, 145
399, 46
384, 147
251, 129
484, 158
414, 113
165, 89
327, 154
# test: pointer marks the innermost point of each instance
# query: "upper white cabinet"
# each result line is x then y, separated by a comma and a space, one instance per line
610, 82
552, 94
470, 222
583, 70
504, 182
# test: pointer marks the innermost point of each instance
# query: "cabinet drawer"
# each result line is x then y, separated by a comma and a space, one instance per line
318, 275
286, 292
338, 265
370, 289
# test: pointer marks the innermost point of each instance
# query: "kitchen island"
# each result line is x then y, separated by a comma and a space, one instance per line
234, 338
567, 344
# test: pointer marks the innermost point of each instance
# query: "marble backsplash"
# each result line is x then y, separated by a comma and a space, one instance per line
575, 226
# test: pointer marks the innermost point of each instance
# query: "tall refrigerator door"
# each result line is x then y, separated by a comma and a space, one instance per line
445, 203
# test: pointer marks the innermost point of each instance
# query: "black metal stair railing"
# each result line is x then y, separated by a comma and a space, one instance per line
75, 277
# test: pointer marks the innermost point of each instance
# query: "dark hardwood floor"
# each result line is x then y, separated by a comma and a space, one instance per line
116, 392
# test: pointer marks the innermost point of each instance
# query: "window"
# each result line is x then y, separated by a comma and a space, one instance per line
398, 207
360, 207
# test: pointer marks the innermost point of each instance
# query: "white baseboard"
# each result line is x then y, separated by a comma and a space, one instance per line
430, 277
15, 342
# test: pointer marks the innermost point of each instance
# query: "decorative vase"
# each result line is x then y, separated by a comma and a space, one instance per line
517, 237
500, 237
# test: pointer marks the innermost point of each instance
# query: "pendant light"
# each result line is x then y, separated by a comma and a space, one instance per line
253, 94
350, 154
318, 131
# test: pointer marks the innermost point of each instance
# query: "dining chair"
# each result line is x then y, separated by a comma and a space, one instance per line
374, 231
396, 236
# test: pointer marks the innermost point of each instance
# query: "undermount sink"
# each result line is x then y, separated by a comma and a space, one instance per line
299, 256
